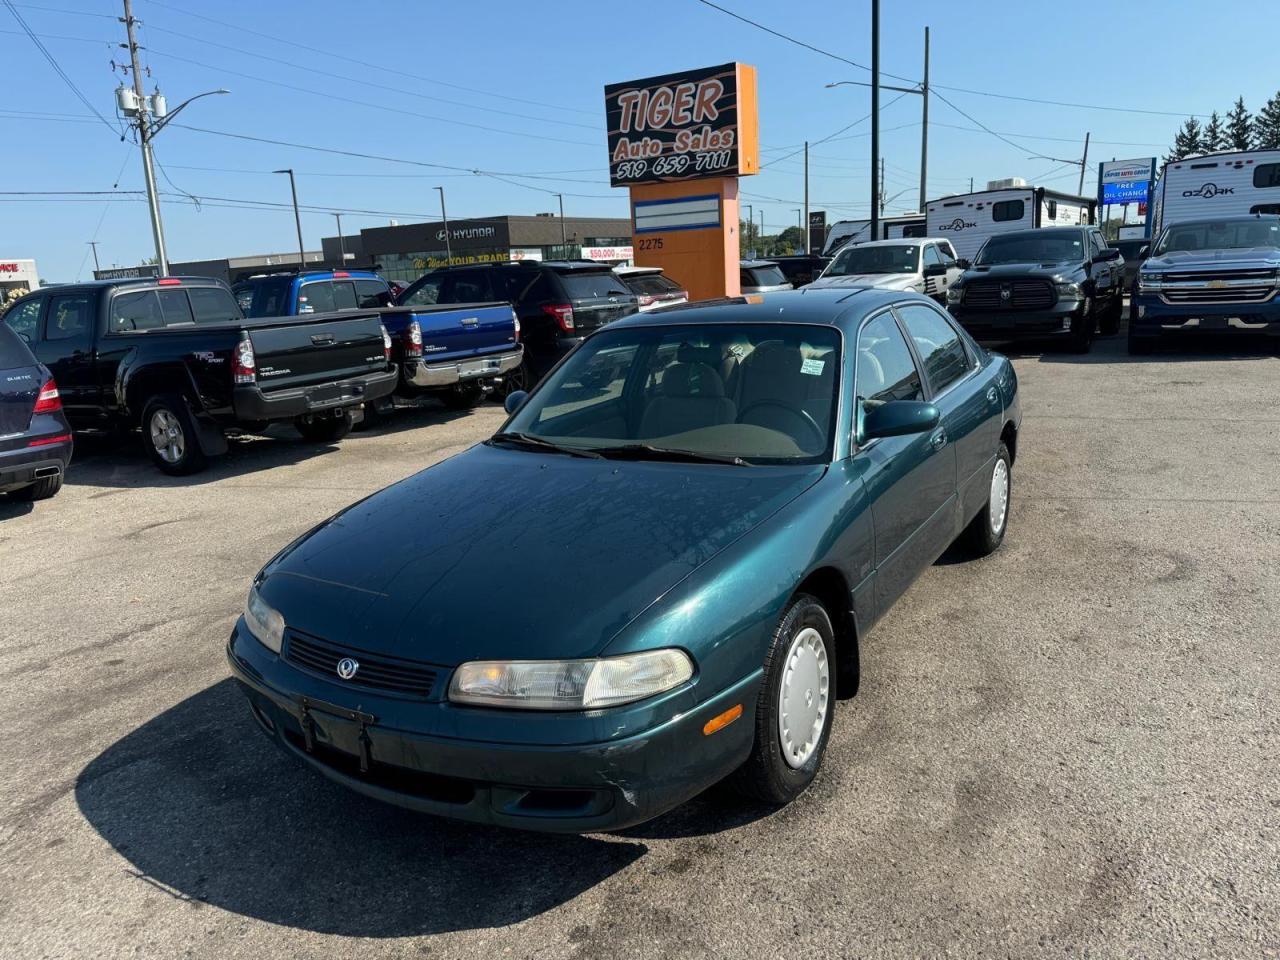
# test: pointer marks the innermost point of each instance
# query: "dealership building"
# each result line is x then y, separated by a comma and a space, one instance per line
405, 252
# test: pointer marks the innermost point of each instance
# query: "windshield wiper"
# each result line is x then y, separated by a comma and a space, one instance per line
529, 442
647, 451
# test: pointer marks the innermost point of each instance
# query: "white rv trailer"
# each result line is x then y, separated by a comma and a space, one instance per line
858, 231
1216, 185
967, 220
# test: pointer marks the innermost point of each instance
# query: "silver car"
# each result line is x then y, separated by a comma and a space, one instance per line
925, 265
762, 276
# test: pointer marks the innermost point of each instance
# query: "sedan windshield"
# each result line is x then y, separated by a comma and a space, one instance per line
856, 260
1240, 234
717, 393
1052, 246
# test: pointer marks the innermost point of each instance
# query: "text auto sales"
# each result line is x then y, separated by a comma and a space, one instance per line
679, 105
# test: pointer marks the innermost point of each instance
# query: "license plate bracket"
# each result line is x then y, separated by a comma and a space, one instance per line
307, 706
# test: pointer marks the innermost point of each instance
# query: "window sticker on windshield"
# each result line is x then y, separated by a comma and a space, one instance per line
812, 367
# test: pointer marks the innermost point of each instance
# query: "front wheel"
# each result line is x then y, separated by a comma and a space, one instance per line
1082, 328
1110, 324
985, 532
169, 435
795, 706
324, 429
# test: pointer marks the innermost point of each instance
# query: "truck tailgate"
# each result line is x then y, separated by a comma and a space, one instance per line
458, 330
316, 348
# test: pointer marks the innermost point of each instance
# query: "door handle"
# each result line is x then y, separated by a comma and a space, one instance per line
938, 440
992, 396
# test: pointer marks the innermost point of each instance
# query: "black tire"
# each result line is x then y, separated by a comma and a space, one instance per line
1110, 323
1140, 346
169, 436
1083, 327
767, 775
462, 397
42, 489
521, 378
981, 538
328, 429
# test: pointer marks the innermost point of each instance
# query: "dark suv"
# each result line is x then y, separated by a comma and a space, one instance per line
1062, 281
558, 302
35, 438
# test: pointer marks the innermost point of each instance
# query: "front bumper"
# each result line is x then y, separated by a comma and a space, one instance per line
369, 744
1009, 324
24, 466
1151, 314
250, 402
421, 374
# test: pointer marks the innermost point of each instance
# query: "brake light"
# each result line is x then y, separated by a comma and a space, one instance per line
413, 339
515, 320
341, 273
562, 313
386, 345
170, 282
243, 364
48, 401
645, 300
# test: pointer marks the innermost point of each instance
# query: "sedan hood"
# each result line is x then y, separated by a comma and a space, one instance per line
1260, 257
511, 554
885, 281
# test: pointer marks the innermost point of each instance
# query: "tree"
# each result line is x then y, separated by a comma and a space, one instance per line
1215, 134
1239, 127
1188, 140
790, 239
1266, 126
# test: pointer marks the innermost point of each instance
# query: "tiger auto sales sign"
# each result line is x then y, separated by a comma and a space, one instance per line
683, 126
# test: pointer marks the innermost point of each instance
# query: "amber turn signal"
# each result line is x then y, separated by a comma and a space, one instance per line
720, 721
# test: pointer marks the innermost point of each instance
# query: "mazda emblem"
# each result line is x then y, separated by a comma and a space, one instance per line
347, 668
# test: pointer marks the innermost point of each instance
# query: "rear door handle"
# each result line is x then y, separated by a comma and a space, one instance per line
938, 440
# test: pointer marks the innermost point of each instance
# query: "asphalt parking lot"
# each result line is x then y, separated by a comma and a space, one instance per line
1071, 748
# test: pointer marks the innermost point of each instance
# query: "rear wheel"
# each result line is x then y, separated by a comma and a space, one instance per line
462, 397
42, 489
795, 706
985, 533
324, 429
169, 435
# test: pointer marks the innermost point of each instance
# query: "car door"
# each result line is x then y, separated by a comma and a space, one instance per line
948, 254
910, 481
971, 406
1102, 271
934, 269
66, 348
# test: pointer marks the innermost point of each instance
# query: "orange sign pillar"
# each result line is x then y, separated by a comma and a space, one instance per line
680, 142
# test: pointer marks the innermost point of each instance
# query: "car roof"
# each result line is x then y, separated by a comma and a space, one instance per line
831, 306
894, 242
1038, 231
757, 263
131, 282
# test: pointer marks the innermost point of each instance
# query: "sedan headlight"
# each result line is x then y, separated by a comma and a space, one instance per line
1069, 290
569, 684
264, 622
954, 293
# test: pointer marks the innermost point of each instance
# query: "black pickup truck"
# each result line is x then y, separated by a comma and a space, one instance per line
175, 357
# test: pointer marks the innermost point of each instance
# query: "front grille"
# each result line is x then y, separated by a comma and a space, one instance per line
377, 672
1022, 295
1262, 275
1249, 294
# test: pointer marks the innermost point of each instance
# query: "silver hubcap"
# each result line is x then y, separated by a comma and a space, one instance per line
802, 700
999, 509
166, 436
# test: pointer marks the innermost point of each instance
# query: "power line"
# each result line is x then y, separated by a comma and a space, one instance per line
58, 69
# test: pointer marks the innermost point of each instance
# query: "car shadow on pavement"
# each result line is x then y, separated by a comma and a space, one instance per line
204, 808
1182, 348
13, 508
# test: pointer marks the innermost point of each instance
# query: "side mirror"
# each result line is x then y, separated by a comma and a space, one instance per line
1107, 256
962, 263
899, 418
1144, 252
515, 400
935, 270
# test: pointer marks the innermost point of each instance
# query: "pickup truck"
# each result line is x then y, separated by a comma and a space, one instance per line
1216, 274
456, 352
175, 357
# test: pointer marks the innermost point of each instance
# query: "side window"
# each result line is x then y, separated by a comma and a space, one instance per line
175, 308
213, 305
425, 293
69, 317
344, 296
467, 286
886, 370
1008, 210
931, 256
139, 310
948, 252
1096, 243
316, 297
371, 294
1266, 175
1053, 209
24, 319
940, 347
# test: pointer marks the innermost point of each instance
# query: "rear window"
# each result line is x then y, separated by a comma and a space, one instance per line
583, 285
265, 297
372, 294
174, 308
13, 352
316, 297
137, 310
213, 305
654, 286
1008, 210
770, 276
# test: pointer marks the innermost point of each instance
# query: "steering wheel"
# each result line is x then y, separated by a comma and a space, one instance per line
798, 412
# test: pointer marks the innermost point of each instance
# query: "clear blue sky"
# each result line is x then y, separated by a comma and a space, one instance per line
537, 70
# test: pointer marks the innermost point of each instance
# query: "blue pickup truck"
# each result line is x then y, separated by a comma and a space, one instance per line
1212, 274
455, 352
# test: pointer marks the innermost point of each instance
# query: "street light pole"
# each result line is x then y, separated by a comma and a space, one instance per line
448, 247
924, 126
297, 218
805, 226
875, 119
94, 244
342, 242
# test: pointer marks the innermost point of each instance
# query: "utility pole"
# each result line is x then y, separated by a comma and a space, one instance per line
297, 218
342, 243
1084, 162
924, 126
875, 118
564, 237
448, 247
761, 234
144, 138
882, 193
94, 244
971, 184
807, 251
